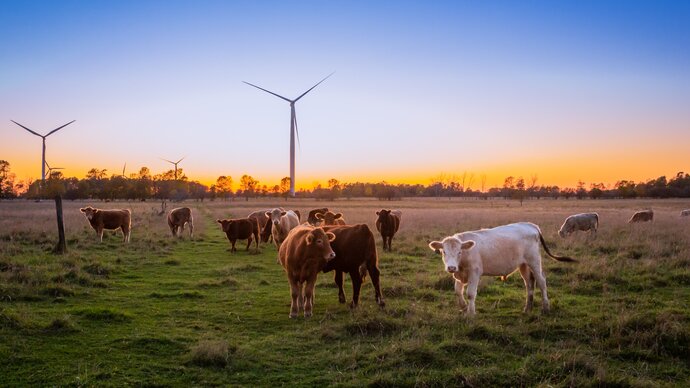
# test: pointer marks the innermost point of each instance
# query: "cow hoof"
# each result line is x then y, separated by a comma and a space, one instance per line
381, 303
293, 315
353, 305
341, 298
307, 315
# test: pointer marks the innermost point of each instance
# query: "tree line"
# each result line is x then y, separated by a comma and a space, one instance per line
143, 185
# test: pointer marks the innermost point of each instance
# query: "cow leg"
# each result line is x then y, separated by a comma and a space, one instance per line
356, 287
375, 281
99, 233
172, 230
390, 243
249, 242
309, 296
339, 282
473, 284
541, 283
295, 294
528, 277
125, 233
256, 241
460, 291
191, 229
232, 247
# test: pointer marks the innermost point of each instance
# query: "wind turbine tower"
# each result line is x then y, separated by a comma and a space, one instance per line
169, 161
43, 164
293, 127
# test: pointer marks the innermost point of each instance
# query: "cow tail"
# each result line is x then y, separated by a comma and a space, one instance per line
557, 258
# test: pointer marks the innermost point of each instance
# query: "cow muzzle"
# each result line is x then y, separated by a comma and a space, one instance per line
330, 256
452, 269
275, 223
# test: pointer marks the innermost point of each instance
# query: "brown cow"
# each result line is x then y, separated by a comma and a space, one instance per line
329, 218
312, 219
264, 226
642, 216
111, 219
387, 224
355, 253
240, 229
303, 254
177, 218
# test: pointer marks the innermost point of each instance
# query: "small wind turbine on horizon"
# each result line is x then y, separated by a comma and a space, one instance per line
293, 127
123, 171
174, 163
50, 169
43, 164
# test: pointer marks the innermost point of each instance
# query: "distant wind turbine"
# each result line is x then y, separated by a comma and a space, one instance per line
175, 163
293, 127
50, 170
43, 164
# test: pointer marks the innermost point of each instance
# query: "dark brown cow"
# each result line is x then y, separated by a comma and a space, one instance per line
355, 253
240, 229
642, 216
303, 254
177, 218
312, 219
111, 219
330, 218
387, 224
264, 225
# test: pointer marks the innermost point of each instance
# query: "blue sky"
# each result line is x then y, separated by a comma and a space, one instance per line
566, 90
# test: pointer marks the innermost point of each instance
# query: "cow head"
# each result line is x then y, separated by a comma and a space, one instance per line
274, 215
452, 248
383, 215
565, 230
89, 212
328, 218
319, 243
313, 217
225, 224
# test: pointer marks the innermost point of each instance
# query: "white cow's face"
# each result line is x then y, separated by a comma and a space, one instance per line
275, 215
452, 249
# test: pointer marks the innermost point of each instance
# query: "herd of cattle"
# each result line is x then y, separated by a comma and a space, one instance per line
325, 242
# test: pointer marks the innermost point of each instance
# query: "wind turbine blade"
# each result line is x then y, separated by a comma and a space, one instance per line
57, 168
167, 160
48, 165
310, 89
268, 91
57, 129
180, 159
123, 169
26, 128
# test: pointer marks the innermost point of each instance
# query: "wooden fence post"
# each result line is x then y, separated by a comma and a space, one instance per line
61, 246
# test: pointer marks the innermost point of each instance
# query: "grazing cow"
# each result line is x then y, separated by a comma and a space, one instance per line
582, 221
685, 213
177, 218
264, 226
330, 218
642, 216
387, 224
496, 252
304, 252
283, 222
312, 217
355, 254
111, 219
240, 229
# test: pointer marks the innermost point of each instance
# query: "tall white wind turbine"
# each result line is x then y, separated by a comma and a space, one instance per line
293, 127
43, 161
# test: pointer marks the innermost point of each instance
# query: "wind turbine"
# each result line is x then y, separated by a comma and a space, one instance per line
43, 165
175, 163
50, 170
293, 127
123, 171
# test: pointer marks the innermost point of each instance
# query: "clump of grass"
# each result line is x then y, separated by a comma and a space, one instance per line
373, 326
172, 262
64, 324
57, 291
213, 353
228, 281
105, 314
13, 320
180, 294
97, 269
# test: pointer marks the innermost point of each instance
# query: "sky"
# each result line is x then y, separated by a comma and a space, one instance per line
596, 91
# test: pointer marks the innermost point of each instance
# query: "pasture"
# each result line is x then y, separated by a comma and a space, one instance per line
161, 311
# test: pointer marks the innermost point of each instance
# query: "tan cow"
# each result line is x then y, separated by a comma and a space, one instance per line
330, 218
582, 221
264, 225
303, 254
111, 219
283, 221
177, 218
642, 216
498, 251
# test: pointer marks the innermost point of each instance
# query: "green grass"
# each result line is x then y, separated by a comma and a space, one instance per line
188, 312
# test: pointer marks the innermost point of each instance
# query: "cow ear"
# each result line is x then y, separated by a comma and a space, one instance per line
436, 246
219, 221
319, 216
268, 214
467, 245
377, 213
82, 210
338, 216
331, 236
283, 213
310, 239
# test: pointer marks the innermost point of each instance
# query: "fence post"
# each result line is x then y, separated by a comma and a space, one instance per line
61, 246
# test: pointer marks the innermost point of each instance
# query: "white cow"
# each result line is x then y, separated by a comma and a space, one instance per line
582, 221
498, 251
685, 213
283, 222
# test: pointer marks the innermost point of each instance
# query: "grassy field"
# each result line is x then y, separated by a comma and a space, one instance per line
161, 312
